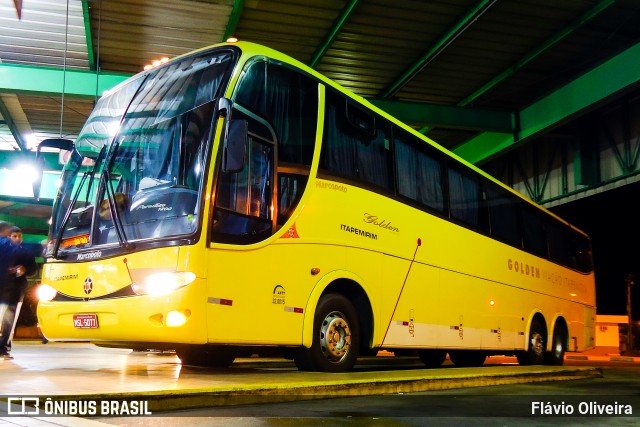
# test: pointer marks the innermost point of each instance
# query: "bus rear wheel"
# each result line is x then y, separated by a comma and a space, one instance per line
467, 358
535, 353
432, 358
211, 356
558, 347
336, 337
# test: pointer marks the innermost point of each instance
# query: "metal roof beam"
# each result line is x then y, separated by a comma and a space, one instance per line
16, 78
12, 126
234, 18
446, 116
583, 19
337, 26
613, 77
43, 80
453, 33
88, 36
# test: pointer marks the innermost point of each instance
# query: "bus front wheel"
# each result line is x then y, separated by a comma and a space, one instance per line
336, 337
535, 354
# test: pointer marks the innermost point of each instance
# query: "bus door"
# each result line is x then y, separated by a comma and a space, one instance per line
256, 286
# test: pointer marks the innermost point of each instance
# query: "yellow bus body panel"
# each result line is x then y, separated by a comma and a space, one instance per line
136, 319
431, 283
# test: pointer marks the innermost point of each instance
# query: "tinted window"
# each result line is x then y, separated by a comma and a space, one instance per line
289, 102
355, 144
419, 174
466, 198
504, 215
534, 237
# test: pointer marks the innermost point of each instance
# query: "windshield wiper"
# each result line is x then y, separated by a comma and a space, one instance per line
113, 210
99, 158
67, 215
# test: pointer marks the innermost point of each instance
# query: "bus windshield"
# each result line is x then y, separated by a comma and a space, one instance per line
137, 167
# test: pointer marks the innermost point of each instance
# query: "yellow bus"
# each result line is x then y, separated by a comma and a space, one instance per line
234, 201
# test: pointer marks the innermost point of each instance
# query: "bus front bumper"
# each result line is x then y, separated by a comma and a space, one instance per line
177, 317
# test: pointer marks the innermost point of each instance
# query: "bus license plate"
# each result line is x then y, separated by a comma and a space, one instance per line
85, 321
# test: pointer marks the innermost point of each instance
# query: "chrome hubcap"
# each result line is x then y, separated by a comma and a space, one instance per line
537, 344
335, 337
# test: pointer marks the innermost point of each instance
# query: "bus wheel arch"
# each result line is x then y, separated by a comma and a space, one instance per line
342, 309
558, 343
536, 343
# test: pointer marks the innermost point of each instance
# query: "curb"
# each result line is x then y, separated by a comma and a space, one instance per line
628, 359
409, 381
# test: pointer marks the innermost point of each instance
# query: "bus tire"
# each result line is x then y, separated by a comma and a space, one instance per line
467, 358
558, 346
210, 356
535, 353
336, 337
432, 358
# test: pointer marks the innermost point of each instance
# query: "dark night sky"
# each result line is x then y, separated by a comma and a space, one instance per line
612, 220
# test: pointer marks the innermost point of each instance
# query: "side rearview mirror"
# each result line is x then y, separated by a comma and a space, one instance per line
60, 143
235, 144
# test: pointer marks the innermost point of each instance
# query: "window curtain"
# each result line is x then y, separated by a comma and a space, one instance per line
419, 176
463, 197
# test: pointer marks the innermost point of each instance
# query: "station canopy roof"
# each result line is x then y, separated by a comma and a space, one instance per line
468, 73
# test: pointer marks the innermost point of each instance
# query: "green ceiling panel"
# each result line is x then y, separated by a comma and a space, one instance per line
27, 223
583, 19
45, 80
578, 96
447, 116
616, 74
484, 146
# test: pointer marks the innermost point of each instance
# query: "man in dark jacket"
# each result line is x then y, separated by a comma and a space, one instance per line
18, 265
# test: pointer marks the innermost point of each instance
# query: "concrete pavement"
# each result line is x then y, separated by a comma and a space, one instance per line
83, 372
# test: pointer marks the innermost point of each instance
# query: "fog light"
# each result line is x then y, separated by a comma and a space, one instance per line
177, 318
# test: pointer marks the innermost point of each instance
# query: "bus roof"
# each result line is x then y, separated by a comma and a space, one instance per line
250, 49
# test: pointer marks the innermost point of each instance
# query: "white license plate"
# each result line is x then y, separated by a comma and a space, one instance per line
85, 321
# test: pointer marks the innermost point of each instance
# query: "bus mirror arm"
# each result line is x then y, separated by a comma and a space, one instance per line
60, 143
236, 133
224, 106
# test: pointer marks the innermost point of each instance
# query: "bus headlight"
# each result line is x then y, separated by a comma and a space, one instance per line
163, 283
46, 293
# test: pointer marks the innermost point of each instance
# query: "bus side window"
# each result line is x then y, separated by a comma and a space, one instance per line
290, 189
560, 245
288, 101
466, 199
242, 213
534, 235
504, 214
356, 144
419, 174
